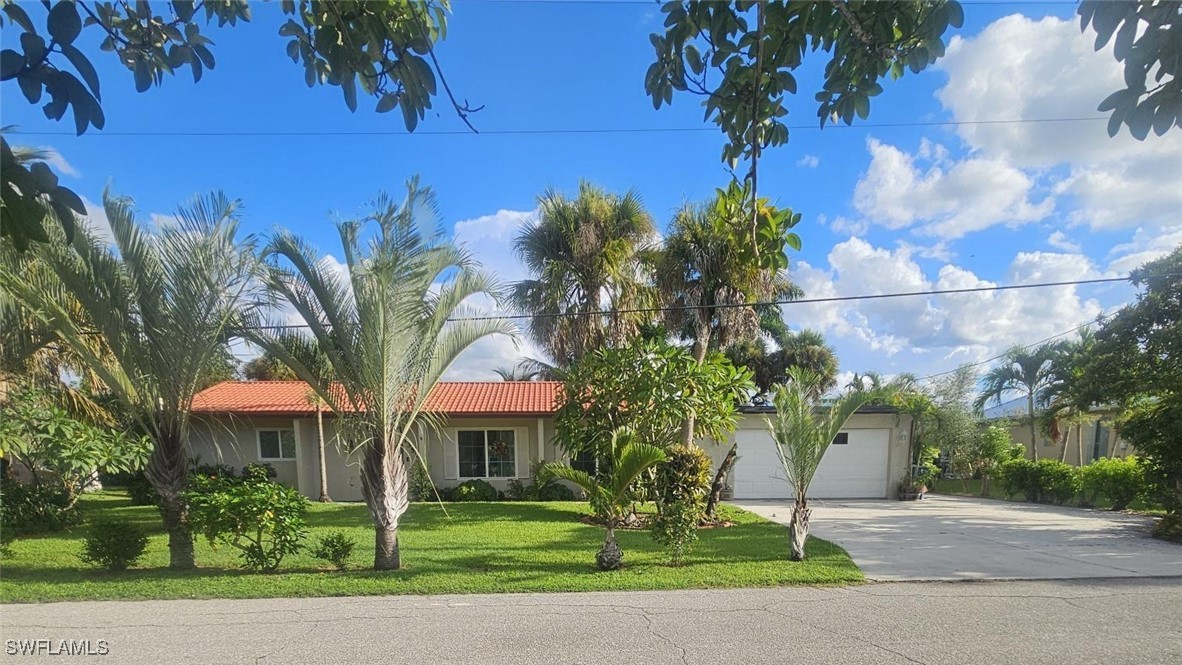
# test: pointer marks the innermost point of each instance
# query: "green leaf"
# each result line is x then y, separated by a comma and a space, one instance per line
85, 69
862, 105
31, 86
694, 59
349, 88
955, 14
69, 198
11, 62
143, 75
34, 47
184, 9
387, 103
205, 54
64, 23
19, 17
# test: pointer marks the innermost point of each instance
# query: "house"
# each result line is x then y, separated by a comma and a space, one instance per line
1098, 437
496, 430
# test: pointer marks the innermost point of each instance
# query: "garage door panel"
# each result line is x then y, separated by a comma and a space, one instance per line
857, 469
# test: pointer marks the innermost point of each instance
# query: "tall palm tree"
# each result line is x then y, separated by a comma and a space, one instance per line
1062, 399
706, 276
1025, 371
802, 430
584, 255
162, 301
378, 337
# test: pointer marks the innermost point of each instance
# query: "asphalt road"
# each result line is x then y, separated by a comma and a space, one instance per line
1080, 621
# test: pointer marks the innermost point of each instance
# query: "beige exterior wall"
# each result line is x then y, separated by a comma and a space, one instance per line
1111, 445
234, 441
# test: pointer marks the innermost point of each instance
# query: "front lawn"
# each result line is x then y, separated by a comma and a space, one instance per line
478, 548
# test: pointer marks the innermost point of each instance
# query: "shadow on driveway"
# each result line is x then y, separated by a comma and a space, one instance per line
955, 538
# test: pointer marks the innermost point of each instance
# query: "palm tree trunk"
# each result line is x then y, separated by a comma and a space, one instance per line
610, 556
324, 497
167, 470
1030, 414
798, 528
716, 487
1066, 438
386, 549
175, 510
701, 346
1079, 442
385, 486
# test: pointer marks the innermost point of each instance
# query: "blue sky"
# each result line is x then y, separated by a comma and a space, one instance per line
885, 208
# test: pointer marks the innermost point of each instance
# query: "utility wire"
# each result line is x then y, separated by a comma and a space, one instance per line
768, 303
1097, 320
543, 132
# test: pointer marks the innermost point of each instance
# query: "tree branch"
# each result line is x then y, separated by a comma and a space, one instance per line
463, 110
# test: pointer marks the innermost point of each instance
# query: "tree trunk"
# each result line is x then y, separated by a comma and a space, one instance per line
1066, 438
1033, 434
610, 556
175, 510
701, 346
798, 529
716, 487
324, 497
1079, 442
386, 549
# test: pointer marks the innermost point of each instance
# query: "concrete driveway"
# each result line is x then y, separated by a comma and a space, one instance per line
953, 538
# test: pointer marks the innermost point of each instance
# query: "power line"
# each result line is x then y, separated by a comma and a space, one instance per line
1098, 319
769, 303
542, 132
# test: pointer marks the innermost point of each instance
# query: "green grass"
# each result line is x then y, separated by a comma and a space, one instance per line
478, 548
973, 488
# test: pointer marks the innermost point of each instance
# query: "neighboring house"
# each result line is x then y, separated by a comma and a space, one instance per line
496, 430
1099, 435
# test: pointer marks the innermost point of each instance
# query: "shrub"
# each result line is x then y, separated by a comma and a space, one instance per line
543, 486
1118, 480
1169, 528
114, 544
474, 490
1045, 481
420, 485
262, 519
1057, 481
684, 476
676, 527
335, 548
35, 508
140, 490
223, 471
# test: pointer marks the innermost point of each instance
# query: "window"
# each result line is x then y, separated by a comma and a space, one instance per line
277, 444
841, 439
584, 461
487, 453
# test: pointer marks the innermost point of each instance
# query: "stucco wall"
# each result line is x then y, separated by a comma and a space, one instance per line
1116, 447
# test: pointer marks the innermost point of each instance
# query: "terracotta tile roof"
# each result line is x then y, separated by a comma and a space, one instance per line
458, 398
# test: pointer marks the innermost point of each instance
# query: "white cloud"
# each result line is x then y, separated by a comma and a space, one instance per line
808, 161
900, 190
931, 331
490, 240
54, 159
1023, 69
847, 226
97, 222
1059, 240
1145, 246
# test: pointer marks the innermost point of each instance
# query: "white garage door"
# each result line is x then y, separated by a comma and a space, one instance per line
853, 470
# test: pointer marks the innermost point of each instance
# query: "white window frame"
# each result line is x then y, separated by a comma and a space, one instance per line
517, 441
258, 444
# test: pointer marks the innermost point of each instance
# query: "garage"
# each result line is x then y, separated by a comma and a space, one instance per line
856, 466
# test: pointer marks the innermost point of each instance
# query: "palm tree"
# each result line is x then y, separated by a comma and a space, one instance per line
315, 401
802, 430
378, 338
162, 301
584, 256
1063, 399
610, 493
1023, 371
706, 276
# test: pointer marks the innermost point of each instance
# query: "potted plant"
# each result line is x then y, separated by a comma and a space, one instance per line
912, 489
